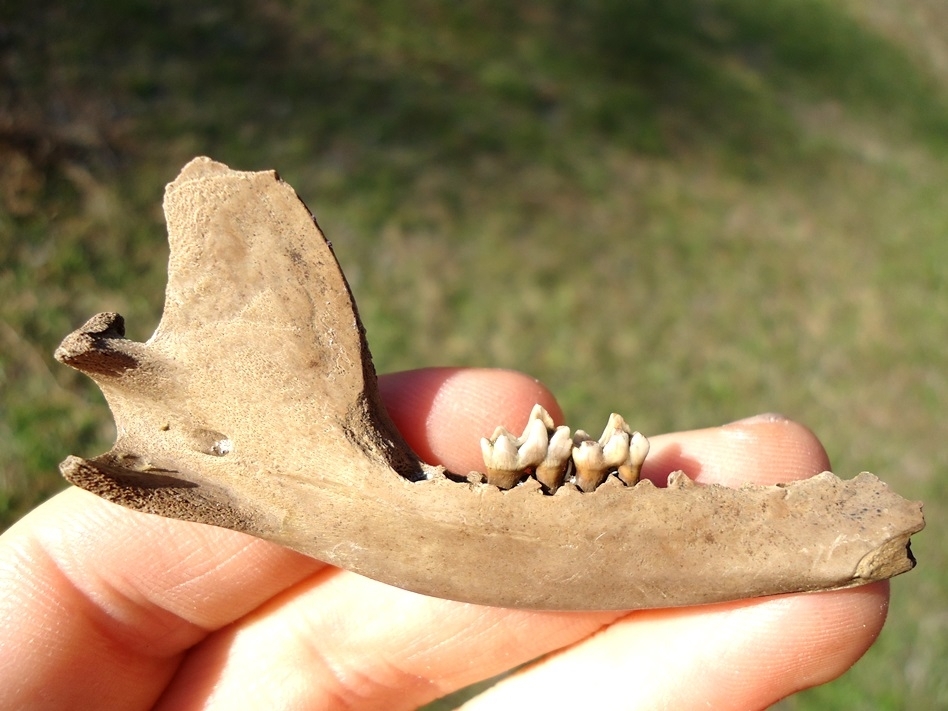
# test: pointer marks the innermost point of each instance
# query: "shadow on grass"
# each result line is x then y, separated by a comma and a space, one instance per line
386, 88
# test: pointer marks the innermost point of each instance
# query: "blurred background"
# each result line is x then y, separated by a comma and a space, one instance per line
686, 211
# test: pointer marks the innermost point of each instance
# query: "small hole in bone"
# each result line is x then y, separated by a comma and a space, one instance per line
211, 442
222, 447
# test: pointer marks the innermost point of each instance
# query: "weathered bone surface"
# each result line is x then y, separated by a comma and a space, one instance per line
254, 406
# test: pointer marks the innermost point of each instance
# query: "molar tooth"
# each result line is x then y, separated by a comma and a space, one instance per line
591, 469
551, 472
501, 459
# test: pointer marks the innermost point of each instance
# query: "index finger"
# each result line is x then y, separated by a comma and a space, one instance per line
763, 449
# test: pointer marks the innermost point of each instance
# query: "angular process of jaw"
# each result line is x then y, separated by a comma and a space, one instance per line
254, 406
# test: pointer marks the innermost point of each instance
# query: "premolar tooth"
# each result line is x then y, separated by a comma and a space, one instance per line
615, 424
507, 458
591, 468
616, 450
625, 450
533, 443
501, 459
551, 472
630, 471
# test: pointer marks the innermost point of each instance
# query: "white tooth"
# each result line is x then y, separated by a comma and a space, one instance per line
487, 451
588, 454
638, 451
504, 453
551, 472
616, 450
552, 454
639, 447
500, 458
591, 469
561, 445
534, 443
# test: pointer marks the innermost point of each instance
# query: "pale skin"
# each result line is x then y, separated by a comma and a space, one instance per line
102, 607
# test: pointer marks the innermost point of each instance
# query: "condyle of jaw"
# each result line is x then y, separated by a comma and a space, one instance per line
254, 406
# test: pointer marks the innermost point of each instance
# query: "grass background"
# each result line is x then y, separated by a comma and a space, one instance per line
687, 212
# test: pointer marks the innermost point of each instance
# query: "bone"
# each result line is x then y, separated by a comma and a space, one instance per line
255, 407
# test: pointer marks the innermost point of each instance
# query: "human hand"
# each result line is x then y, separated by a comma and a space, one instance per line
103, 607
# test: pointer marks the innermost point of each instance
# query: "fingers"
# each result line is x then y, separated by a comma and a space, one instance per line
104, 601
765, 449
91, 591
745, 655
97, 602
349, 641
443, 412
344, 641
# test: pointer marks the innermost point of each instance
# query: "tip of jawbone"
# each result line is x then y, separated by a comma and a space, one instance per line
888, 560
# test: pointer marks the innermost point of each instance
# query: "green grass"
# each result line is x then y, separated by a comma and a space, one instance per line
685, 212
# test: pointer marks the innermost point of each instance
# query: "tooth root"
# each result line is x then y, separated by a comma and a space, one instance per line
628, 474
591, 468
551, 472
503, 478
552, 477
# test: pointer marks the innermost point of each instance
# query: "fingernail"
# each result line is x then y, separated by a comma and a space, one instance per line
761, 418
